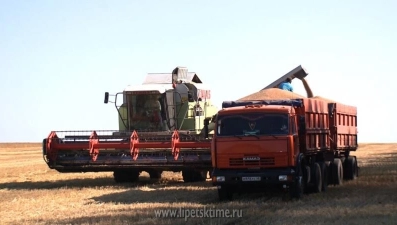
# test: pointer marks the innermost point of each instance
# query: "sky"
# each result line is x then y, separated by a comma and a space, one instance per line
57, 58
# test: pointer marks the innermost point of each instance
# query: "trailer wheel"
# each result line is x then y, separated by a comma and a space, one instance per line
337, 172
324, 175
351, 168
317, 178
225, 194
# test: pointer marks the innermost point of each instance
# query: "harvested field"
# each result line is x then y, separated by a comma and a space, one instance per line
33, 194
271, 94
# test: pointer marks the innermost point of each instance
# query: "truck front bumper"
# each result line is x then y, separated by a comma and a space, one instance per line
253, 178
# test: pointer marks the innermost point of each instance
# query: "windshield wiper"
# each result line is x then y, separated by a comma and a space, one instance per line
254, 135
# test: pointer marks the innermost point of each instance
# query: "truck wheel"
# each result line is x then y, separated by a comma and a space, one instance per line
225, 194
297, 189
328, 166
299, 186
337, 172
307, 178
351, 168
307, 174
324, 175
317, 178
355, 167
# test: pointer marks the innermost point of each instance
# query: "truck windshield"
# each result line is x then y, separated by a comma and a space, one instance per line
253, 124
145, 112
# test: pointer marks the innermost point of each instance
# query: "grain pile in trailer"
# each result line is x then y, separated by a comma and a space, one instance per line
271, 94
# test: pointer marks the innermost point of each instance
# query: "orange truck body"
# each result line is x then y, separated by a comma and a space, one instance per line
252, 148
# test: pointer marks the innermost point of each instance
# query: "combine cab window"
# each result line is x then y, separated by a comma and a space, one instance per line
253, 124
145, 112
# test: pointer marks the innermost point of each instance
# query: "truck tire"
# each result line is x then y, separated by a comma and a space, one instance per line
225, 194
317, 179
328, 166
299, 186
307, 175
351, 168
337, 172
324, 176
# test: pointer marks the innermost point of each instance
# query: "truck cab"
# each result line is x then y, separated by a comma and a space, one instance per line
254, 145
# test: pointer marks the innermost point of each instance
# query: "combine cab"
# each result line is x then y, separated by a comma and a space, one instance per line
163, 126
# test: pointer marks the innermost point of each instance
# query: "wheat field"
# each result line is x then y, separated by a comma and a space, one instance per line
31, 193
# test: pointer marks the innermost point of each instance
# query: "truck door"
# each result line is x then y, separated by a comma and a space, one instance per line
295, 138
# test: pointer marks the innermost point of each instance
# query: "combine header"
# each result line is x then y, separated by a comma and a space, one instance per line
163, 126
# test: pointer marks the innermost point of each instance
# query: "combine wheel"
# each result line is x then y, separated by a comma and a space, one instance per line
337, 172
317, 178
133, 176
123, 176
155, 174
351, 170
201, 175
119, 176
225, 194
190, 175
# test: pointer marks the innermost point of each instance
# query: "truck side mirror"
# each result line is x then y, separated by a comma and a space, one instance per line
106, 98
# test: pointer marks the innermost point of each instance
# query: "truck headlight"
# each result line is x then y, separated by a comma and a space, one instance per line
219, 179
283, 178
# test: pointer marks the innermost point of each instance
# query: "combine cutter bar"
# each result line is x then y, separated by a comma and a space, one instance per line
177, 144
54, 144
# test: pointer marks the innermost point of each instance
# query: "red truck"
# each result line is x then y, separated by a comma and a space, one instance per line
299, 145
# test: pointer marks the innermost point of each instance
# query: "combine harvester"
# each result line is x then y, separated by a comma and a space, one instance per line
163, 126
